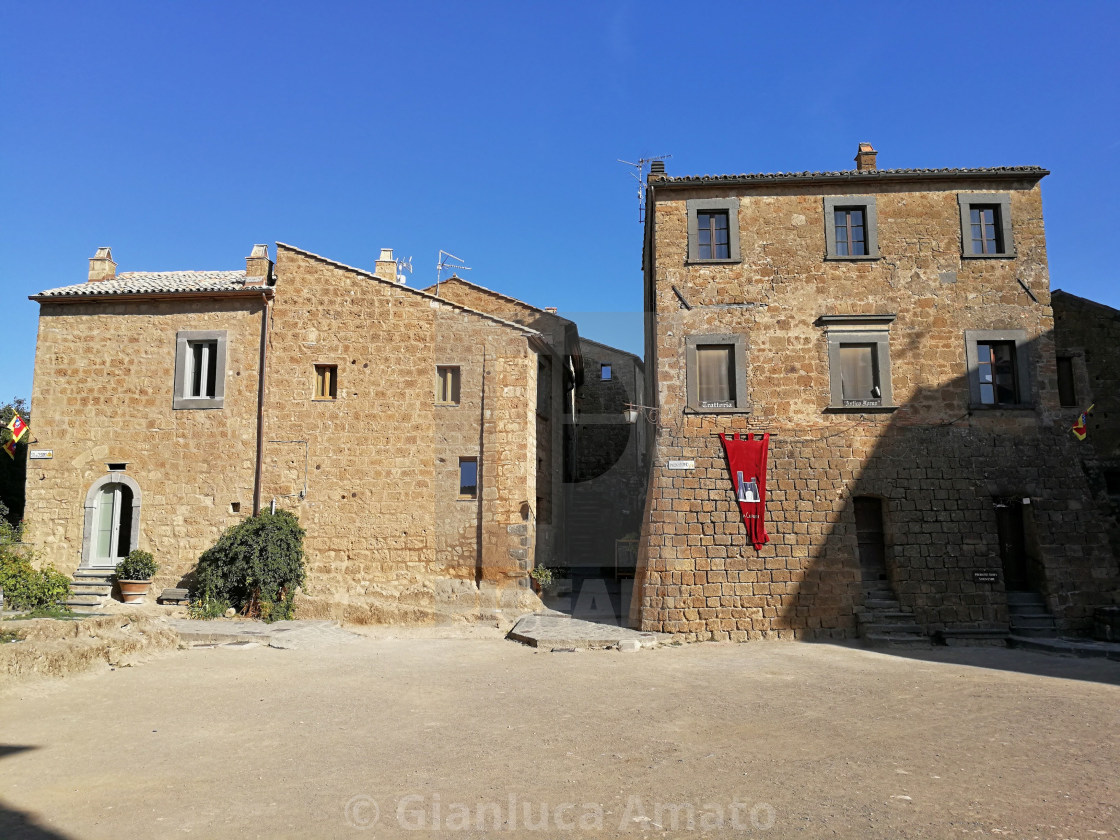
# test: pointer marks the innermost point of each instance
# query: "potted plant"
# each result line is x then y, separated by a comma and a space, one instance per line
134, 575
542, 578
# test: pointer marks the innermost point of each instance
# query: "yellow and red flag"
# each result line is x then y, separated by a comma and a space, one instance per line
17, 427
1081, 427
10, 448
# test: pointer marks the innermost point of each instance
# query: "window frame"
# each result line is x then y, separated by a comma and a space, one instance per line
832, 203
1066, 380
859, 330
1002, 202
185, 340
1023, 384
606, 372
694, 207
738, 343
468, 459
455, 386
315, 389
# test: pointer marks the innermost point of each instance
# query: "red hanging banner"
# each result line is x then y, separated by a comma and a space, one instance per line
746, 459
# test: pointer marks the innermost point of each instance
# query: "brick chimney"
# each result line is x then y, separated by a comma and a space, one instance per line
550, 309
865, 158
101, 265
258, 267
386, 266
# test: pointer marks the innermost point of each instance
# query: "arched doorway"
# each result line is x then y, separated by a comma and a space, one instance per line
112, 521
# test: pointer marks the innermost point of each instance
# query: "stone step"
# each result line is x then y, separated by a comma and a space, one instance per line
95, 573
1016, 599
84, 601
1034, 632
885, 615
1040, 621
897, 640
90, 589
873, 627
882, 604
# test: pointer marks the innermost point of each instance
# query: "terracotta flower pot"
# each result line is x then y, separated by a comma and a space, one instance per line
134, 591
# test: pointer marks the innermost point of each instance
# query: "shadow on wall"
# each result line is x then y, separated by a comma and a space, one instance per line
946, 517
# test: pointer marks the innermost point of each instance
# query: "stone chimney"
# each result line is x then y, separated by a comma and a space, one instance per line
258, 267
656, 171
101, 265
865, 158
386, 266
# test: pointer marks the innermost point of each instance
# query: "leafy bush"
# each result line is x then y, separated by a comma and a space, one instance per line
139, 565
28, 588
256, 566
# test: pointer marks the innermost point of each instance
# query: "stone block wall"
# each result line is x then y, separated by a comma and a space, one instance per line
103, 393
937, 463
385, 521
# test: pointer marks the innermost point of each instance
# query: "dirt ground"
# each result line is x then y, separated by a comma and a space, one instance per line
405, 734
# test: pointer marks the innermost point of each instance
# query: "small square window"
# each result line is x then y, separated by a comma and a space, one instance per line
326, 382
998, 369
200, 364
986, 225
447, 385
468, 478
859, 361
716, 373
850, 227
604, 372
1112, 482
1067, 393
713, 229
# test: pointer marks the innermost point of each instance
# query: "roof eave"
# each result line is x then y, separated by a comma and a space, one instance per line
252, 292
687, 182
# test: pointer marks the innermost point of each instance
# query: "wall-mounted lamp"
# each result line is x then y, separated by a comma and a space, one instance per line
647, 412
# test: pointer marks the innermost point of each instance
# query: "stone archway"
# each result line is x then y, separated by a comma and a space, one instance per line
127, 516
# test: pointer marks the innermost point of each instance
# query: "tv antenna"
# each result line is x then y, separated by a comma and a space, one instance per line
445, 258
403, 265
640, 177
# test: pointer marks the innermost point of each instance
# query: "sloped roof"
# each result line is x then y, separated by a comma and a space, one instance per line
1032, 172
156, 283
455, 278
400, 286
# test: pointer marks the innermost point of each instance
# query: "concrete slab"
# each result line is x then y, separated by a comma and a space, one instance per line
557, 631
281, 634
1068, 647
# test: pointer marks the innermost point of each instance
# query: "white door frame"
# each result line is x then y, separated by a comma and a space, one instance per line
89, 536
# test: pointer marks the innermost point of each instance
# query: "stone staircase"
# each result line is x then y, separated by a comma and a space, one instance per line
883, 622
90, 589
1029, 616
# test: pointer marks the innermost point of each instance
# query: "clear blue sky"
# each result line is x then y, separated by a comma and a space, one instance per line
180, 133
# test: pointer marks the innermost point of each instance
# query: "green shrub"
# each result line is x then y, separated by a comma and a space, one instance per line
139, 565
27, 588
543, 576
205, 609
256, 566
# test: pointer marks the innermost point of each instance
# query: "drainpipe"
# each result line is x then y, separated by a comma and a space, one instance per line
259, 471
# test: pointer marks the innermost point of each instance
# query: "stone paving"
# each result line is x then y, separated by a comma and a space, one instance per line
280, 634
558, 631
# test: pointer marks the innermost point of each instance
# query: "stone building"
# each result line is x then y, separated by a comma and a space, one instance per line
402, 428
597, 483
1087, 339
892, 331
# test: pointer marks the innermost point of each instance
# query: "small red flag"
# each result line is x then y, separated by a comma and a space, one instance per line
10, 448
1081, 427
18, 427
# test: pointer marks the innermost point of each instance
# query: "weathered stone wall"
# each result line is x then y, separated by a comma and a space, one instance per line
559, 335
384, 519
103, 391
1089, 334
936, 463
